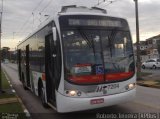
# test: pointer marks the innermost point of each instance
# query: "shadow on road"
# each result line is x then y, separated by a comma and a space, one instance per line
91, 114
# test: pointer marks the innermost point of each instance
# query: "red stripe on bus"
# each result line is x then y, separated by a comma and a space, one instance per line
87, 79
99, 78
119, 76
82, 65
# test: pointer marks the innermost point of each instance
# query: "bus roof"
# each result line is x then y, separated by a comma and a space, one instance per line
72, 10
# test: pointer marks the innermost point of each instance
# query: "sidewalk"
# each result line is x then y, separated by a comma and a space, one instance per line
8, 100
152, 80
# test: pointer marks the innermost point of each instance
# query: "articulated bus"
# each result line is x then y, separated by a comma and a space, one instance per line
81, 59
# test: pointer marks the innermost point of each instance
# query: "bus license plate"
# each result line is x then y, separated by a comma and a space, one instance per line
97, 101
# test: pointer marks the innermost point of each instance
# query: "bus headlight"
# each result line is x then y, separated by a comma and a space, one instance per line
130, 86
72, 93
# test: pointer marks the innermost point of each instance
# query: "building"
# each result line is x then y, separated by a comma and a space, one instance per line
150, 48
152, 44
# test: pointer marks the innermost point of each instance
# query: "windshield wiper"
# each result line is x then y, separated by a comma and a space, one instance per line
111, 39
90, 43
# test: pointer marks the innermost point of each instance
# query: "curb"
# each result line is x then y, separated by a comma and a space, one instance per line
19, 99
8, 100
147, 85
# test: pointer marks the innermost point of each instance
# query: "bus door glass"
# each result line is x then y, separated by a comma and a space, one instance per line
49, 68
19, 63
27, 66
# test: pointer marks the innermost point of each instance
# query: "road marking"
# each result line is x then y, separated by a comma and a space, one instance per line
11, 85
27, 113
13, 91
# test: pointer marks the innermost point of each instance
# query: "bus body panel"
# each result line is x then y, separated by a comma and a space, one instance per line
99, 90
69, 104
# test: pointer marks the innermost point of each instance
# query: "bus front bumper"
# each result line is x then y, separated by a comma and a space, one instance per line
70, 104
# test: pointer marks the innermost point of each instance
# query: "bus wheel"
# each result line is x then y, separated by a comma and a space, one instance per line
42, 96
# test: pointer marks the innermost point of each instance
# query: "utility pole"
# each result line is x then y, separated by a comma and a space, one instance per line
33, 22
1, 13
138, 62
13, 35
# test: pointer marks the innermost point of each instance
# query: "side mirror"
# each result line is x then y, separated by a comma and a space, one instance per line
54, 33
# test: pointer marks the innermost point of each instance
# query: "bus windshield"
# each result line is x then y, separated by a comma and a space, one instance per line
97, 55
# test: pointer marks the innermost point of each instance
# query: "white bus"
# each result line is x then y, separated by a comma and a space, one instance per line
82, 59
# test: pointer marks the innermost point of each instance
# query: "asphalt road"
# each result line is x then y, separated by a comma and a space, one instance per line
147, 101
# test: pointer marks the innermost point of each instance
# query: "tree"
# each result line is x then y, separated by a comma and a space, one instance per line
5, 53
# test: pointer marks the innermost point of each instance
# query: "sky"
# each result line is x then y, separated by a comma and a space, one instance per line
22, 17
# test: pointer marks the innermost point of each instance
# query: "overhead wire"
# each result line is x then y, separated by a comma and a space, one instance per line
46, 6
106, 1
99, 3
42, 12
27, 21
110, 2
33, 13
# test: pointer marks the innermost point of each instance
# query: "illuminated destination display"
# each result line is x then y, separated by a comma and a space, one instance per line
94, 22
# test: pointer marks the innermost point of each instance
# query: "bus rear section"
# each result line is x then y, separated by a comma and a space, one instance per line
99, 67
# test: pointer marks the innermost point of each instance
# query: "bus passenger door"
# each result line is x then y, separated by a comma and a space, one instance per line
49, 70
19, 63
27, 67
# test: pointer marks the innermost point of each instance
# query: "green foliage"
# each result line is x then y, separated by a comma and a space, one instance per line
11, 108
142, 74
5, 84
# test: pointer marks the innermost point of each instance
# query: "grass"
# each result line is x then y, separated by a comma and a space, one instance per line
13, 110
5, 84
158, 82
10, 107
6, 95
142, 74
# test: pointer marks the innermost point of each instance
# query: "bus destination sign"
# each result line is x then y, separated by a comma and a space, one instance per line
94, 22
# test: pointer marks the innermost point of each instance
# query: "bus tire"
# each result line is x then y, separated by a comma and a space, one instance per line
42, 96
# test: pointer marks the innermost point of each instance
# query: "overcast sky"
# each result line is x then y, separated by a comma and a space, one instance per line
18, 18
